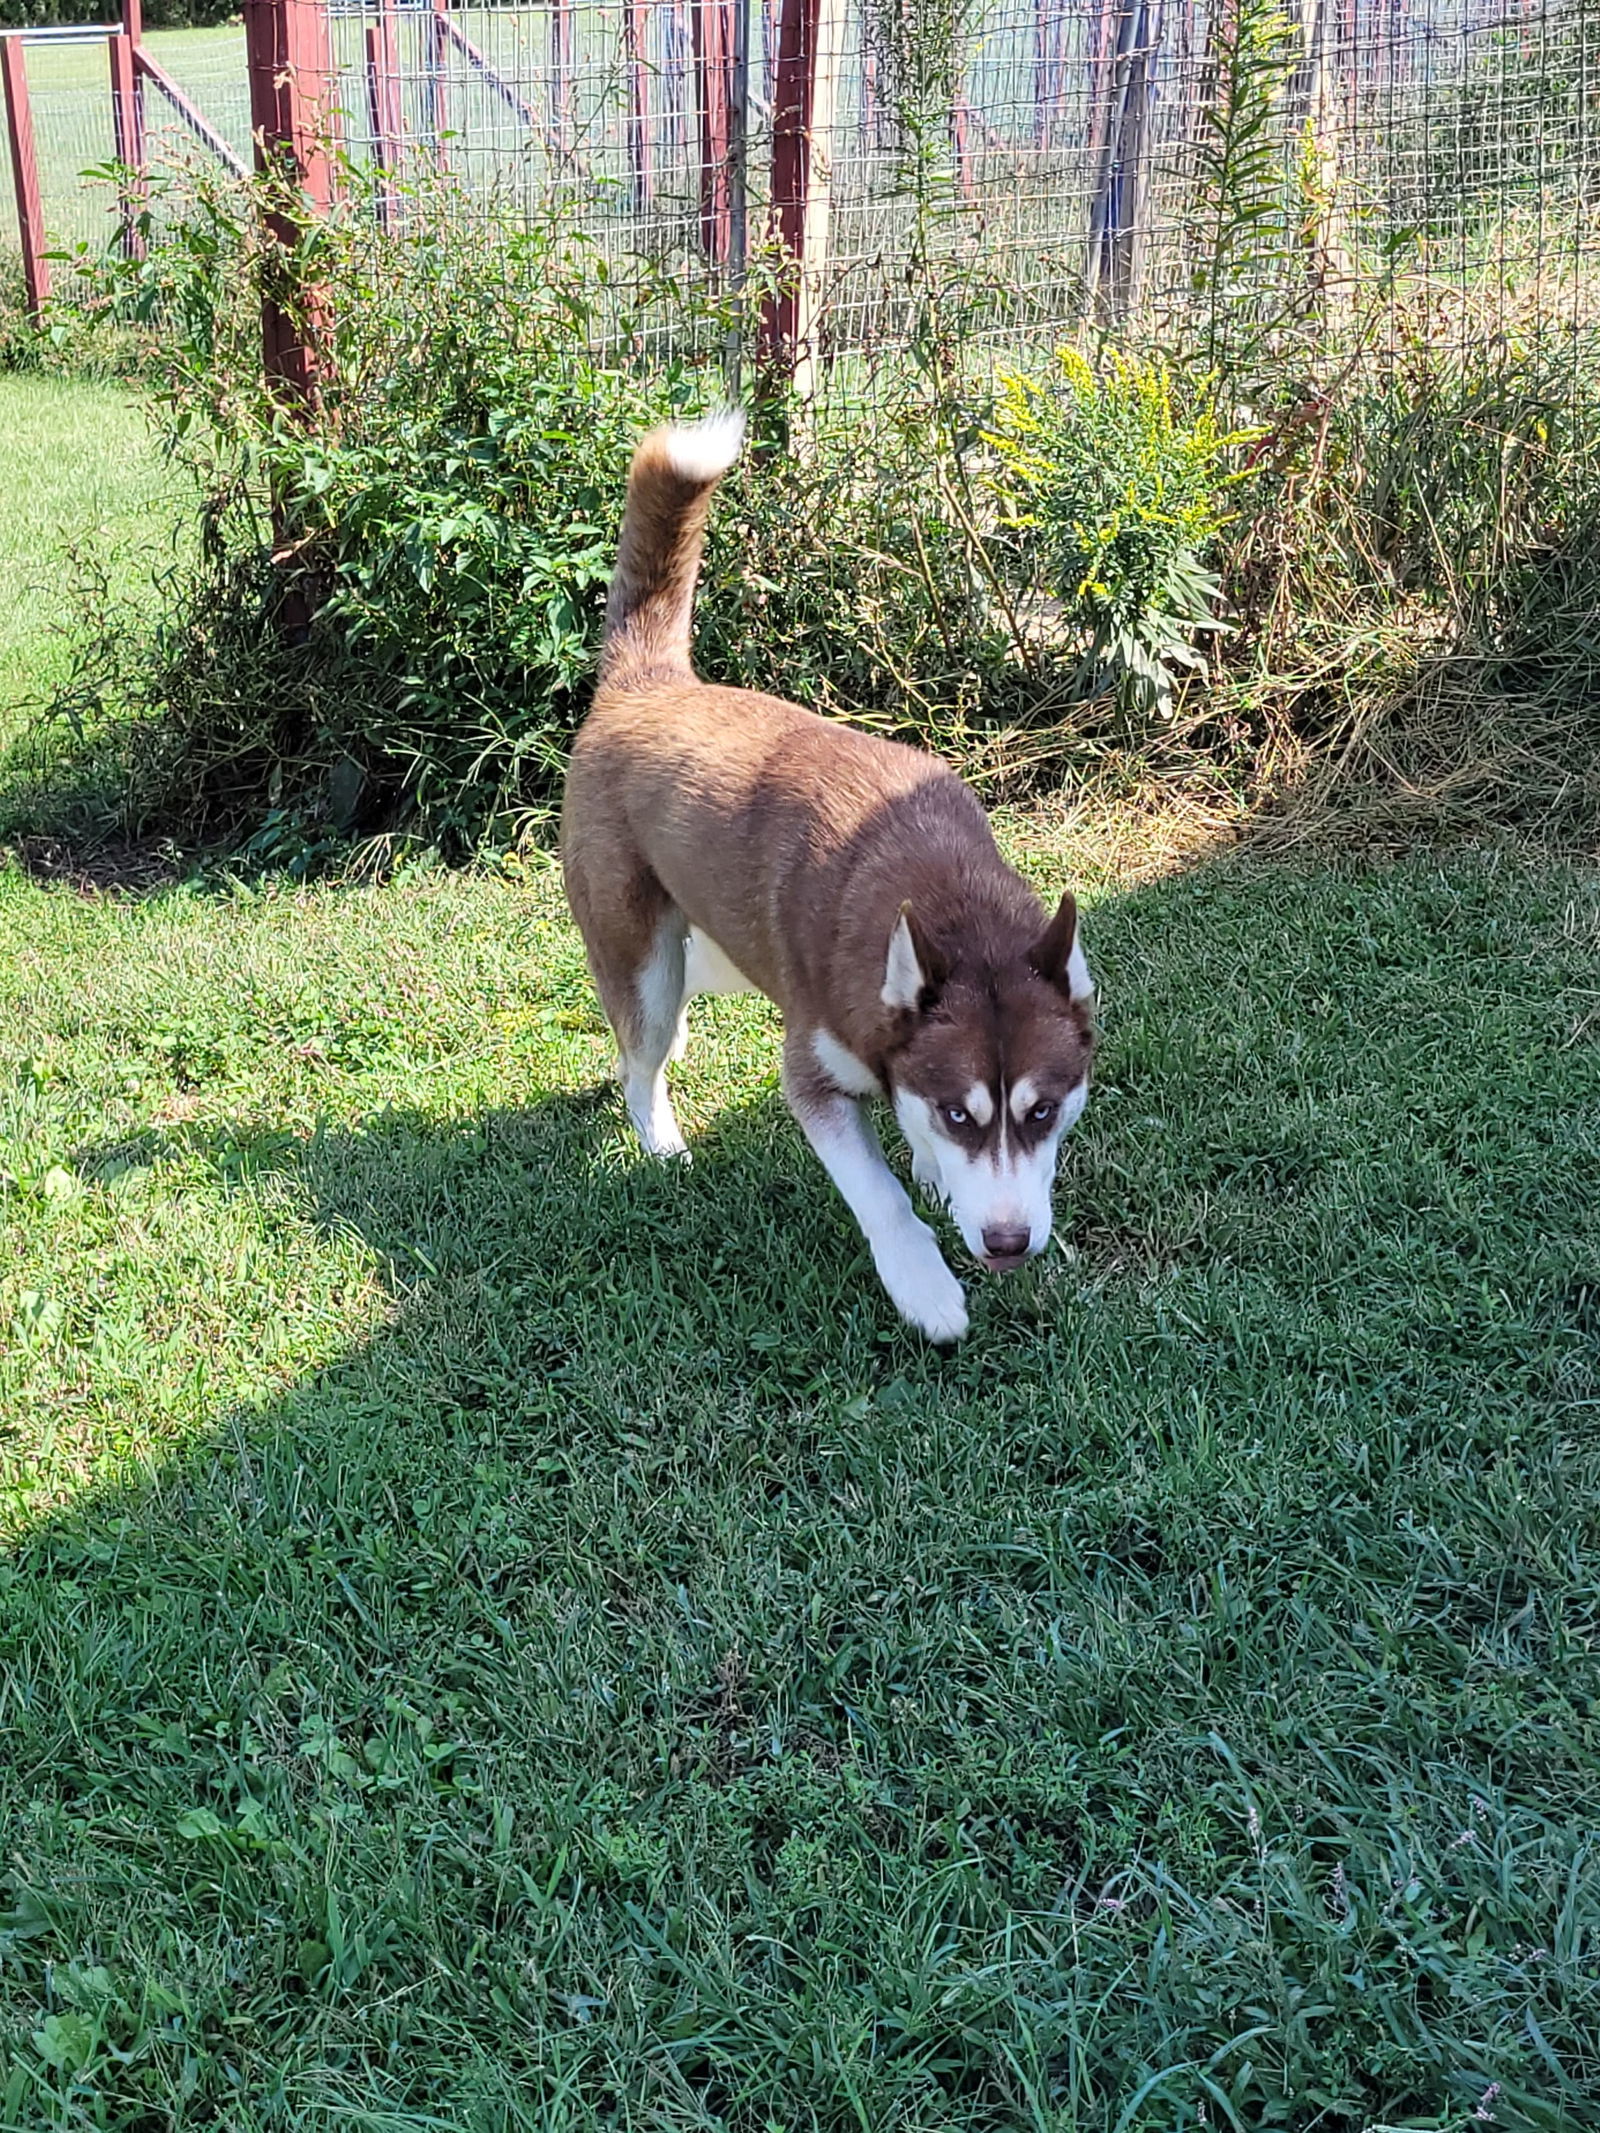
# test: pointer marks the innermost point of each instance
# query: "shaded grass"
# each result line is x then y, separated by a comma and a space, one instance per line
497, 1634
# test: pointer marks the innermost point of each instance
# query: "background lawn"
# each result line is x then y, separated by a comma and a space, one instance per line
494, 1634
78, 469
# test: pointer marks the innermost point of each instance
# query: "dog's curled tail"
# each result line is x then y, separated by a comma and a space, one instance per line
651, 601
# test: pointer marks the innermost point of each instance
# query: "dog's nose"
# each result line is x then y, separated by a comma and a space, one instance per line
1005, 1247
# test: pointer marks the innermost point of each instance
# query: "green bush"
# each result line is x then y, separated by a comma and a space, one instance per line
1116, 494
394, 614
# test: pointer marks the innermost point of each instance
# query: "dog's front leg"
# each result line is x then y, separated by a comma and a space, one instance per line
904, 1251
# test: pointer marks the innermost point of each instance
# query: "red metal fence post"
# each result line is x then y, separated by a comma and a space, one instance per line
127, 118
802, 119
712, 25
290, 60
961, 142
793, 75
25, 174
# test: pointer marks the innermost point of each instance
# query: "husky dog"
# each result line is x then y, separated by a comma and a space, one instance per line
716, 840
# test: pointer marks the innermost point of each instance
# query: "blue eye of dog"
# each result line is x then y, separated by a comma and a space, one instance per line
955, 1114
1041, 1114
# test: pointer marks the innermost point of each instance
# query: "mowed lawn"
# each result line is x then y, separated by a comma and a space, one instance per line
495, 1634
79, 471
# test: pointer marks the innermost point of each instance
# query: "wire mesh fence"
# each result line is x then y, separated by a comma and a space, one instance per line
69, 87
1163, 165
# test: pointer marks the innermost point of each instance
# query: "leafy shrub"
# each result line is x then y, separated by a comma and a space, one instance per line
69, 341
1117, 493
394, 614
855, 578
394, 609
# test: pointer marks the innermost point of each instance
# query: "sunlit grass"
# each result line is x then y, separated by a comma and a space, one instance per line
79, 468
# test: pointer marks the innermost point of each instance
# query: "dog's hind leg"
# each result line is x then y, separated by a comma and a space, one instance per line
649, 1027
908, 1259
635, 941
705, 969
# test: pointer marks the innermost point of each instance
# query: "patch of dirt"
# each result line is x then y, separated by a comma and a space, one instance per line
99, 870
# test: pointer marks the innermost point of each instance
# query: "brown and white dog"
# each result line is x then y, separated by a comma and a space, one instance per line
715, 840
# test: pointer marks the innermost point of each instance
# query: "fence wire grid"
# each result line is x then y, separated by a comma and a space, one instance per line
1126, 160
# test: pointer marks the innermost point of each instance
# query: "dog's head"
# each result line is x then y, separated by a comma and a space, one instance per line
991, 1070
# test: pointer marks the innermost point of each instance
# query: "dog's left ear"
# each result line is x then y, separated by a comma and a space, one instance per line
913, 971
1058, 956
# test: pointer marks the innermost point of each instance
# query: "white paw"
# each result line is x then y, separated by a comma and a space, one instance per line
921, 1287
653, 1119
661, 1138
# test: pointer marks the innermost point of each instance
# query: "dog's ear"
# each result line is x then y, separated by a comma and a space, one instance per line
1057, 955
913, 972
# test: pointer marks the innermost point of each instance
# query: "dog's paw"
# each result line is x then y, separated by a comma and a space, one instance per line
650, 1108
922, 1288
659, 1137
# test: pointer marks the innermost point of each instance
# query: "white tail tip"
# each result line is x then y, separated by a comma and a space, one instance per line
704, 451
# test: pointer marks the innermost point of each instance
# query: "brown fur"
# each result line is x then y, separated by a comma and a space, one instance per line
794, 842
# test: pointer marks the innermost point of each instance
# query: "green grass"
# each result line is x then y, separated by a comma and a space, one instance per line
496, 1634
78, 468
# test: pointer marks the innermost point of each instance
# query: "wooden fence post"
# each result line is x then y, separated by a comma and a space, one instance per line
25, 174
290, 62
127, 119
802, 121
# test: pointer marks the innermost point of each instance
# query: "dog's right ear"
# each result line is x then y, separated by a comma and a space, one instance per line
913, 973
1056, 955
